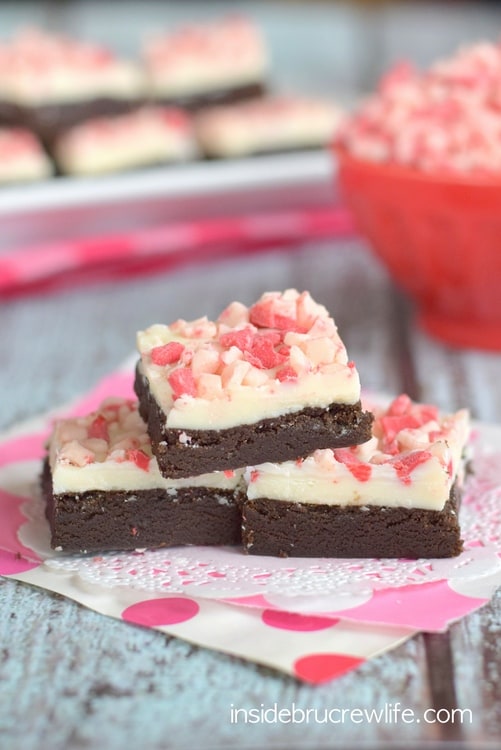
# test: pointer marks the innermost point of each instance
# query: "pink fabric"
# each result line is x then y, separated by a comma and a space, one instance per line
14, 556
75, 261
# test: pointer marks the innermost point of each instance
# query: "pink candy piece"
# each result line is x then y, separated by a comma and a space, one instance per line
405, 465
360, 470
99, 428
167, 354
393, 425
403, 414
263, 355
140, 458
266, 315
113, 432
286, 373
242, 339
182, 383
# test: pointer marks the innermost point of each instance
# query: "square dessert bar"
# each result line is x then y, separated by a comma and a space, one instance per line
270, 382
270, 124
103, 490
222, 61
397, 495
144, 137
49, 82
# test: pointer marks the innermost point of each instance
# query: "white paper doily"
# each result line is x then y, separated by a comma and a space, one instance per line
221, 573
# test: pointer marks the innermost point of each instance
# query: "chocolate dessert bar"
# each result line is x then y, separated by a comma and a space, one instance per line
267, 125
397, 495
49, 83
219, 62
103, 490
144, 137
270, 382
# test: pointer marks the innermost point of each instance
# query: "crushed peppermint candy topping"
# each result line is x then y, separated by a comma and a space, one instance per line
115, 432
273, 342
402, 419
182, 383
405, 436
22, 157
405, 465
167, 354
99, 428
233, 43
37, 65
412, 465
40, 51
360, 470
447, 119
140, 458
17, 143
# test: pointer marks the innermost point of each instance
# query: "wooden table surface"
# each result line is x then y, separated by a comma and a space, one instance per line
70, 678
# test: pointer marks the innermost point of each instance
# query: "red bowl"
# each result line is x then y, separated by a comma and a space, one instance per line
440, 238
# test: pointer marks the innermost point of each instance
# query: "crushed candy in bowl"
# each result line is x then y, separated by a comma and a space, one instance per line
420, 166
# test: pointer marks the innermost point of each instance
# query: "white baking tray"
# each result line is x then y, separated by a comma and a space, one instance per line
63, 206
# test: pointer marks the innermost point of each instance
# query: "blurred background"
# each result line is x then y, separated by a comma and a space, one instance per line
319, 46
333, 50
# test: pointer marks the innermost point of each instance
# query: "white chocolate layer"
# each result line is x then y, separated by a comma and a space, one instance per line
415, 469
200, 59
272, 123
41, 68
145, 137
22, 157
277, 357
109, 450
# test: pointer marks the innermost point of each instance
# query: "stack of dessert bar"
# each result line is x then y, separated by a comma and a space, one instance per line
249, 430
197, 91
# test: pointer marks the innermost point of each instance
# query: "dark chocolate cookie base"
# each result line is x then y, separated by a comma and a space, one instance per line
196, 101
285, 529
50, 121
10, 114
283, 438
97, 521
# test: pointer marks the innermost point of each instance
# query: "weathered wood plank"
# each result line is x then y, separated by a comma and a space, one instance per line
477, 664
73, 678
464, 663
